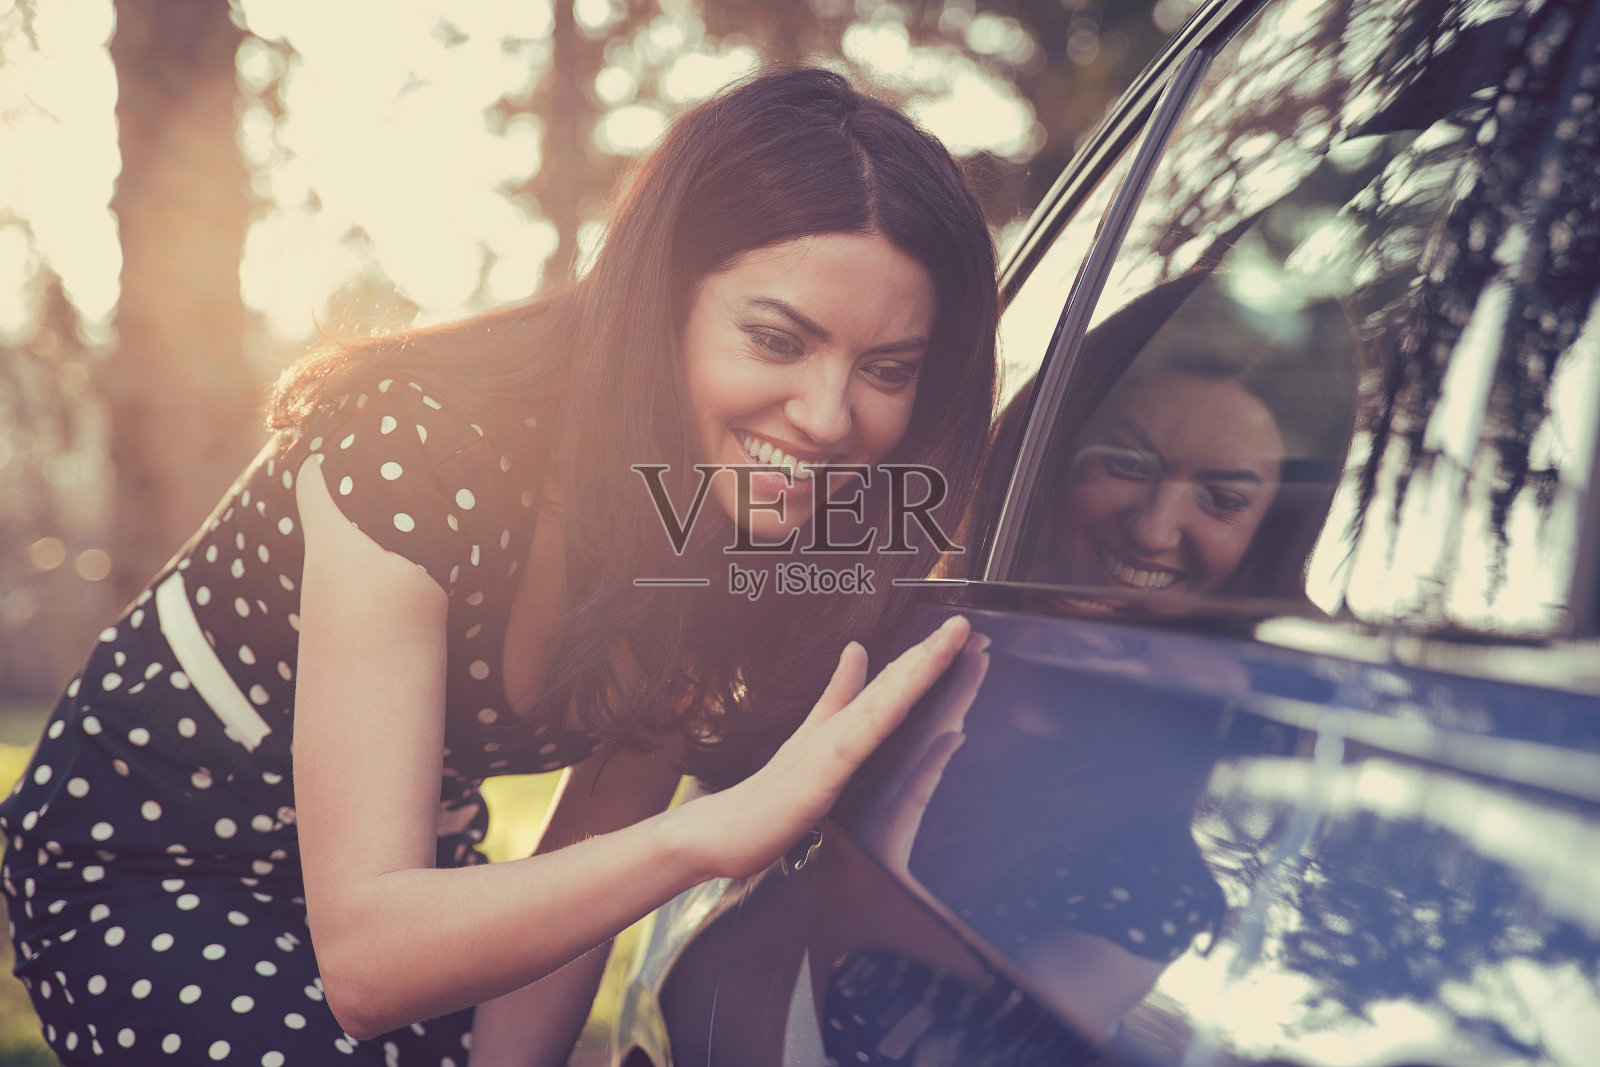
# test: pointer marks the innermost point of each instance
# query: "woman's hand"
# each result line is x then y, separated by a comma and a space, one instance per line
746, 827
888, 828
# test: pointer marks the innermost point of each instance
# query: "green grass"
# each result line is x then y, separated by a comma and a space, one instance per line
21, 1044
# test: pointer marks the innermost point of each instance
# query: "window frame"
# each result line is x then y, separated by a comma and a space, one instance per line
1146, 113
1055, 372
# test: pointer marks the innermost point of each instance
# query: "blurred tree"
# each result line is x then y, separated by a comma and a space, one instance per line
49, 426
182, 399
1011, 85
569, 110
1068, 59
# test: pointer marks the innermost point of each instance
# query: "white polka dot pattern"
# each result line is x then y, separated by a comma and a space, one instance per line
137, 762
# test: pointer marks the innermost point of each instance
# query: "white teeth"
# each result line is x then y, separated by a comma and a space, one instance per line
765, 452
1139, 579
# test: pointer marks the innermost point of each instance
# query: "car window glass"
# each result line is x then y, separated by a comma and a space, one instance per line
1030, 317
1344, 361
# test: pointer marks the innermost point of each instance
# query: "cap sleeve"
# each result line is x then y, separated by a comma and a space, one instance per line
392, 457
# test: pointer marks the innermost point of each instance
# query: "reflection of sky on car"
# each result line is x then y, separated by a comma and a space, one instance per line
1394, 566
1030, 318
1264, 1006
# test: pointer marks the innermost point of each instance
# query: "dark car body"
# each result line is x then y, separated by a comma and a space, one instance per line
1335, 799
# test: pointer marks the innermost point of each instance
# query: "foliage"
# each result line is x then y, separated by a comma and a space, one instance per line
21, 1044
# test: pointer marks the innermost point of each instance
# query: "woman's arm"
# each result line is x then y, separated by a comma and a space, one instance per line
398, 940
539, 1023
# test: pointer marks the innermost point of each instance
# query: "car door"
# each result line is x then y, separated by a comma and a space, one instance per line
1313, 778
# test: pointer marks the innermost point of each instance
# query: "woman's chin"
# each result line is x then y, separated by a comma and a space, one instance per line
776, 511
779, 532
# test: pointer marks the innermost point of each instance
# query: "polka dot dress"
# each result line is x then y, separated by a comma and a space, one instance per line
1147, 891
884, 1009
152, 876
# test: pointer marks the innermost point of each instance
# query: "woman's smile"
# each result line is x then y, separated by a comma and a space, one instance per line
763, 451
1136, 575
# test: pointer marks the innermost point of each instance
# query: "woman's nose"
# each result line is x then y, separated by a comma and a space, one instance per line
820, 405
1156, 524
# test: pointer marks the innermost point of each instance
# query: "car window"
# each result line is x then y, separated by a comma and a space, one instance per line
1027, 328
1030, 317
1345, 361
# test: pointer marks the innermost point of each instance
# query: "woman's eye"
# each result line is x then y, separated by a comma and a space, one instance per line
1223, 502
1126, 463
775, 342
892, 375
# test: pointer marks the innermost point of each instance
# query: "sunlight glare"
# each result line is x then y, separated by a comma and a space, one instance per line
595, 16
979, 113
60, 133
389, 161
18, 264
615, 85
629, 130
696, 75
884, 48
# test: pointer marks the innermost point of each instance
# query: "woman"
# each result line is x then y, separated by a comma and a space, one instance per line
1209, 467
436, 557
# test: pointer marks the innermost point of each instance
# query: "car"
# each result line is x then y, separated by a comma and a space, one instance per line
1282, 742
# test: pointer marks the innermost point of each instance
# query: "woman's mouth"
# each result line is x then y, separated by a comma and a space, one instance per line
768, 454
1150, 580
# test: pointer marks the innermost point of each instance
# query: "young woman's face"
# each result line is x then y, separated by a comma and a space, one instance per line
1169, 487
805, 355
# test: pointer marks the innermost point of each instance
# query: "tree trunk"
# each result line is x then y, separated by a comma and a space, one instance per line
566, 173
181, 396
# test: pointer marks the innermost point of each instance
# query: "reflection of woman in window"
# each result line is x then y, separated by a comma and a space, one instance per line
1210, 466
1169, 484
1060, 829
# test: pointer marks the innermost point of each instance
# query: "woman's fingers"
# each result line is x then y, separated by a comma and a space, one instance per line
913, 672
848, 678
965, 677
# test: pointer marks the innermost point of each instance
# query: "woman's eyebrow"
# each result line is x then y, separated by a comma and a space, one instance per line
815, 329
1132, 429
793, 313
1137, 434
1240, 475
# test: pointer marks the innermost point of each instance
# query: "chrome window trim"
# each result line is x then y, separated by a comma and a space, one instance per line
1114, 133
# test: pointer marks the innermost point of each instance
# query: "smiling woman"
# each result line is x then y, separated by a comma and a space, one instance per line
1210, 465
1170, 483
429, 577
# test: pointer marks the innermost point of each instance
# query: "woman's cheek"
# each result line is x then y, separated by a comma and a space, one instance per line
891, 421
1226, 538
1095, 495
